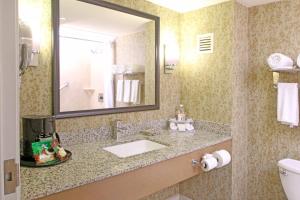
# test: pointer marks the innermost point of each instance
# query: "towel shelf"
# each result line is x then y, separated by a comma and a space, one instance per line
276, 73
295, 70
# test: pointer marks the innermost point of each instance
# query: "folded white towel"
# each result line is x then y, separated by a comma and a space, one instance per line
298, 61
135, 92
119, 91
127, 89
288, 104
278, 60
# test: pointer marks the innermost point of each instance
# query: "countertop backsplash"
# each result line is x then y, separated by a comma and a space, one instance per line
120, 129
85, 135
212, 126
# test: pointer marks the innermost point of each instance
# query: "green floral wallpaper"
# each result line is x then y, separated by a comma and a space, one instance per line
36, 90
232, 85
206, 78
36, 85
239, 105
206, 87
272, 28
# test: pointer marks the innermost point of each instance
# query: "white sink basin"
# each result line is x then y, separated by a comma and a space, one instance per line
134, 148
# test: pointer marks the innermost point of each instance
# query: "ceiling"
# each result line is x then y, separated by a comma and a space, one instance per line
188, 5
88, 17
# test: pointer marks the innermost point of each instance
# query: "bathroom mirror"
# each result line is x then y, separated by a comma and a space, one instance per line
106, 59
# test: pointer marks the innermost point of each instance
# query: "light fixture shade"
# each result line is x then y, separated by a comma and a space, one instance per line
171, 57
29, 50
30, 23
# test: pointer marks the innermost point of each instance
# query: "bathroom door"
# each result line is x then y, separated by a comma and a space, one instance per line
9, 100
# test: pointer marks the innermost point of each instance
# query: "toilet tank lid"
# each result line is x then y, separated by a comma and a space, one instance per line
290, 165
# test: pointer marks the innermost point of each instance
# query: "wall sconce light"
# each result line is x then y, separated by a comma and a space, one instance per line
171, 53
29, 33
29, 48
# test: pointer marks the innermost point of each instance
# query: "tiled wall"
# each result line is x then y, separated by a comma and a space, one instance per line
215, 185
36, 86
206, 88
239, 108
36, 90
206, 78
137, 50
169, 98
272, 28
131, 50
164, 194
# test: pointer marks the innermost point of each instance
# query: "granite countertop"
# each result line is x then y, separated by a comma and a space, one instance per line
91, 163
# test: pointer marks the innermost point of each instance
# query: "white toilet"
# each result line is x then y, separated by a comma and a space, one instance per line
289, 170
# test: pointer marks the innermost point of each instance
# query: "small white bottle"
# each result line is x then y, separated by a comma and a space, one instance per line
180, 115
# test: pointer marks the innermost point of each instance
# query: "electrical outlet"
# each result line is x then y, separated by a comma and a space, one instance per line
100, 97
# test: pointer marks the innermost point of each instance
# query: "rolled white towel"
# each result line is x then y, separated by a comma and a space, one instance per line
278, 61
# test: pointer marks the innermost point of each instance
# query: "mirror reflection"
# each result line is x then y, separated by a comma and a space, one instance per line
106, 58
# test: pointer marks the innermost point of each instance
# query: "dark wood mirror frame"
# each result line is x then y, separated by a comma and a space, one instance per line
56, 69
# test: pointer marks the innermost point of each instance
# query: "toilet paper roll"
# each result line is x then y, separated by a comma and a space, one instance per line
298, 61
223, 158
208, 163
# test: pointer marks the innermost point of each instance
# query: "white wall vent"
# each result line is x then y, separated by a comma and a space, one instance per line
205, 43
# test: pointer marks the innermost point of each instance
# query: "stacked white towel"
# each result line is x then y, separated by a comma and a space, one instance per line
118, 69
127, 91
135, 96
280, 61
298, 61
119, 91
288, 104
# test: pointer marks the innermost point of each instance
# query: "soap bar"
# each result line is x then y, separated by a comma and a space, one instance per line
173, 126
189, 127
181, 127
151, 132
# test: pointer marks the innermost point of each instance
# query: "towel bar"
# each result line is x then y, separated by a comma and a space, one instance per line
66, 84
276, 86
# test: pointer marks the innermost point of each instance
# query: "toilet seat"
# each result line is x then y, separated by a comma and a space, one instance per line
290, 165
289, 171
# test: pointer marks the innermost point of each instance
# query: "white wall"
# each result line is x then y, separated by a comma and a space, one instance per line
9, 89
97, 77
1, 97
74, 69
83, 64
